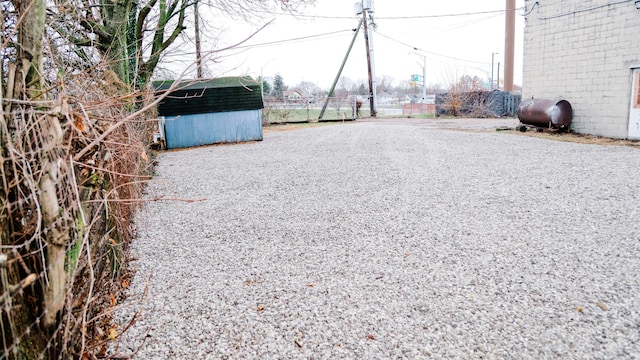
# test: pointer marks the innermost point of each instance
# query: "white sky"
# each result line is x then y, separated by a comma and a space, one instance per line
453, 46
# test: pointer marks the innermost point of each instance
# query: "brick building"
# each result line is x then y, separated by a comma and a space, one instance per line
586, 52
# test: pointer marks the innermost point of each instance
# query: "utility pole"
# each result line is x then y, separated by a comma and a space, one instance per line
424, 78
373, 59
509, 44
424, 73
335, 81
372, 104
493, 54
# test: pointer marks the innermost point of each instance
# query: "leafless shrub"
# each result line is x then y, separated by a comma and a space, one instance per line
275, 111
73, 151
101, 164
466, 97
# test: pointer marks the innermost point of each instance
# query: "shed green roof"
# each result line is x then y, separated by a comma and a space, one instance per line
208, 96
221, 82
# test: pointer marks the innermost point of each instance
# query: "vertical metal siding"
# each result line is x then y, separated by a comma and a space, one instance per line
214, 128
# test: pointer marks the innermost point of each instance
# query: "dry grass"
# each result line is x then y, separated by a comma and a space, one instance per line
288, 127
581, 138
556, 136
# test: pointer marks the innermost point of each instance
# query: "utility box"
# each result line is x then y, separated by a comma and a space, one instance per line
360, 6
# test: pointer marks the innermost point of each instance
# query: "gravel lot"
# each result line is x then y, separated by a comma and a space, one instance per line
390, 240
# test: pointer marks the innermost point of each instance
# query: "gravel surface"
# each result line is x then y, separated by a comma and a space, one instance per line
390, 240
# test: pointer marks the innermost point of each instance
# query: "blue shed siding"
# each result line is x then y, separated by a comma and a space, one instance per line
213, 128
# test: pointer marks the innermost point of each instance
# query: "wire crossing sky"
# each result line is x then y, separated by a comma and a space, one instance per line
457, 38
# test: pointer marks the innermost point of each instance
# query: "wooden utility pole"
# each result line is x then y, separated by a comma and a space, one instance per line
366, 40
344, 61
509, 43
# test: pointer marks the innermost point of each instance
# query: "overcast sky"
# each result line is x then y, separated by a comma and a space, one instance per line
453, 45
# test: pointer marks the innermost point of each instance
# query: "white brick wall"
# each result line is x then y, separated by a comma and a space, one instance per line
585, 57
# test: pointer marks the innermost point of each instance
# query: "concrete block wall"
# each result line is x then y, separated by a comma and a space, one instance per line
583, 51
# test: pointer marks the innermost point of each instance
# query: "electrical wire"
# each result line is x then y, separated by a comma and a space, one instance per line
459, 26
448, 15
430, 52
543, 18
277, 42
501, 11
533, 7
284, 41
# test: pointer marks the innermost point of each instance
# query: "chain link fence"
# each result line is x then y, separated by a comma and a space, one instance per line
468, 103
309, 109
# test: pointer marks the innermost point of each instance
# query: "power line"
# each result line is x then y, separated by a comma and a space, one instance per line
448, 15
430, 52
537, 4
460, 25
293, 39
309, 16
277, 42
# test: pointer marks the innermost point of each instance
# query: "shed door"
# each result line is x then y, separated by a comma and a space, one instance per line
634, 111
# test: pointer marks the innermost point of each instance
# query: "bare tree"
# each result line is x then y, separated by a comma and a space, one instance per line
306, 88
384, 84
346, 86
133, 35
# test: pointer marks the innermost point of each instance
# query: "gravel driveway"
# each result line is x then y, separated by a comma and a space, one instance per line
390, 240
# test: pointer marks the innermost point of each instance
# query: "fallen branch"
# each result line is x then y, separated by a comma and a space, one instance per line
110, 171
161, 198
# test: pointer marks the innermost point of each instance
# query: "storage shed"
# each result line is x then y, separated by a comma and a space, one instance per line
212, 111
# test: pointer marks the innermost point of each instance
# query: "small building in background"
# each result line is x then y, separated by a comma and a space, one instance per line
588, 53
291, 95
212, 111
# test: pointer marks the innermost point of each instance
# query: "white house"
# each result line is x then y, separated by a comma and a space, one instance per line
588, 53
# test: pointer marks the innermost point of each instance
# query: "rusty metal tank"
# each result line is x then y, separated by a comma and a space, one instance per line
549, 114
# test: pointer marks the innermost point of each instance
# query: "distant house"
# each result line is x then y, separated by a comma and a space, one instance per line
588, 53
203, 112
405, 99
385, 98
292, 95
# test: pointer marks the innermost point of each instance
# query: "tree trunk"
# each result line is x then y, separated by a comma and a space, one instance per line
55, 219
196, 22
118, 17
28, 84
